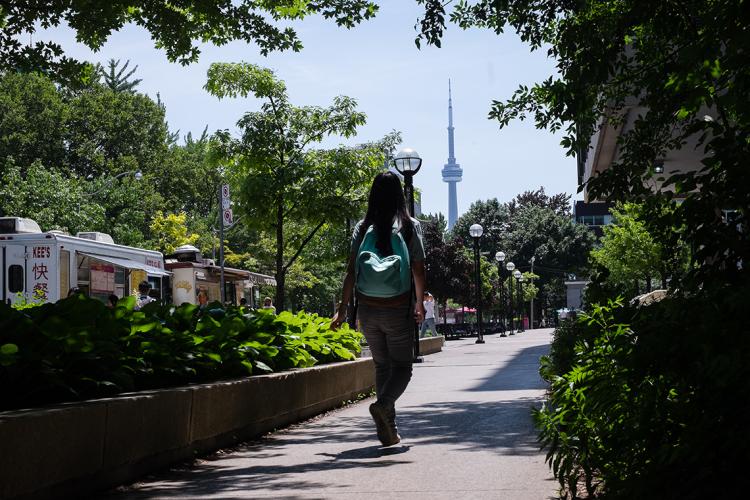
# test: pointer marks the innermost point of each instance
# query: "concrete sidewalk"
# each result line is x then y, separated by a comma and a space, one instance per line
466, 428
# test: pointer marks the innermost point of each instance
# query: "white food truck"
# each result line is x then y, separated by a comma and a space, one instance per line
44, 266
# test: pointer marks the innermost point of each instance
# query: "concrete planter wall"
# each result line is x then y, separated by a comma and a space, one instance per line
72, 449
431, 345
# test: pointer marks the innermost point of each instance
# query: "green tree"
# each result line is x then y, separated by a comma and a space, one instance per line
189, 178
108, 132
178, 28
169, 232
116, 77
52, 199
531, 225
287, 188
495, 219
33, 116
629, 253
447, 267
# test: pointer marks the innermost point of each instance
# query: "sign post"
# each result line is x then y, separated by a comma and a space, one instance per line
225, 214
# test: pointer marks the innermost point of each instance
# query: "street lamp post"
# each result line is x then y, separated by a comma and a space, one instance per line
476, 232
500, 258
531, 313
137, 174
519, 298
510, 267
408, 162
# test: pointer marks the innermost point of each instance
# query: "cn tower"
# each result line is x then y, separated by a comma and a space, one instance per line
452, 171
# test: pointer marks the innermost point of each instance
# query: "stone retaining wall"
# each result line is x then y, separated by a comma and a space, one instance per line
431, 345
77, 448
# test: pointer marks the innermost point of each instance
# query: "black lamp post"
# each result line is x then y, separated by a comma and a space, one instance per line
407, 163
510, 267
500, 258
519, 298
476, 232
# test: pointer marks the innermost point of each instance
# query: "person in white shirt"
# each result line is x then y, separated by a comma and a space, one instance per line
143, 297
429, 315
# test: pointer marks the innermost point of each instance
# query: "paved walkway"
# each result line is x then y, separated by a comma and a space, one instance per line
466, 428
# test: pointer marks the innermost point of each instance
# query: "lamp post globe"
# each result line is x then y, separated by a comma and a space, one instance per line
517, 274
510, 266
407, 161
138, 175
500, 257
476, 231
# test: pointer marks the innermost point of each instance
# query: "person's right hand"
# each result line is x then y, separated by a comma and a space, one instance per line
337, 319
335, 322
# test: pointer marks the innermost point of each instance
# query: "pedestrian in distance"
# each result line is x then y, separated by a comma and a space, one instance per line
385, 272
268, 304
143, 295
429, 315
202, 298
112, 301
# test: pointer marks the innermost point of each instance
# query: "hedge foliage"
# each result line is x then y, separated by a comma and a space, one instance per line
651, 402
77, 348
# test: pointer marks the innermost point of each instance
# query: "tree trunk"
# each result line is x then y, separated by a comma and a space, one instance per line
280, 273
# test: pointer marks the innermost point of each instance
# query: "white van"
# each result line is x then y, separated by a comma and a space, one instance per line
43, 266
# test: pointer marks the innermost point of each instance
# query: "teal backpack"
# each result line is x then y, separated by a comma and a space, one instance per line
379, 276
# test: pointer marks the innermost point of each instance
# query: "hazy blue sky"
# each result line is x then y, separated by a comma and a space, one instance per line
398, 86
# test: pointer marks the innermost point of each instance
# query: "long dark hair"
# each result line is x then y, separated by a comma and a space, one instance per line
386, 203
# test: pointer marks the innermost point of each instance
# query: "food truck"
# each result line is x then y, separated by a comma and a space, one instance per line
196, 280
43, 266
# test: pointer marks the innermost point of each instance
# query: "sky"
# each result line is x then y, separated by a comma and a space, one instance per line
398, 86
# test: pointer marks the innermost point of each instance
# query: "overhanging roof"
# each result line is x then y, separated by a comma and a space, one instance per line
128, 264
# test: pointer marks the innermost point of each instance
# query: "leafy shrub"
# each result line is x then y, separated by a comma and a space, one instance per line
77, 348
655, 406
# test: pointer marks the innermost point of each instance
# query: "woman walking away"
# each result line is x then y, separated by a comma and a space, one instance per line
386, 270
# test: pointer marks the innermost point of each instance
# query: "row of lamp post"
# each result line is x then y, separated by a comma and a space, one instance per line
476, 231
408, 162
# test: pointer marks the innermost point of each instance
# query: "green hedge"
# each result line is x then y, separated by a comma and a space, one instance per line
651, 402
77, 348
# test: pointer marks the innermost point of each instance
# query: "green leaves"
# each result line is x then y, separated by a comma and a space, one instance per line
178, 28
243, 79
77, 348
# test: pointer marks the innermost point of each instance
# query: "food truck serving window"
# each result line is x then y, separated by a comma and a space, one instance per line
15, 278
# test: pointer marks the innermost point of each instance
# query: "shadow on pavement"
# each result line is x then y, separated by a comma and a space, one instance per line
520, 373
502, 427
273, 463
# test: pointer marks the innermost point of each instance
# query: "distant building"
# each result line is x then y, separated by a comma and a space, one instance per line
452, 172
595, 215
574, 290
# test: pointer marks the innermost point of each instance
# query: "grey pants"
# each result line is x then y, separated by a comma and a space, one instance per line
427, 323
390, 334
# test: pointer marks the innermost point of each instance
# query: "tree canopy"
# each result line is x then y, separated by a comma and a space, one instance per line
176, 27
289, 189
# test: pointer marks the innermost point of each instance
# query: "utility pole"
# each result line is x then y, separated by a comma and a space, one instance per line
225, 218
221, 246
531, 322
